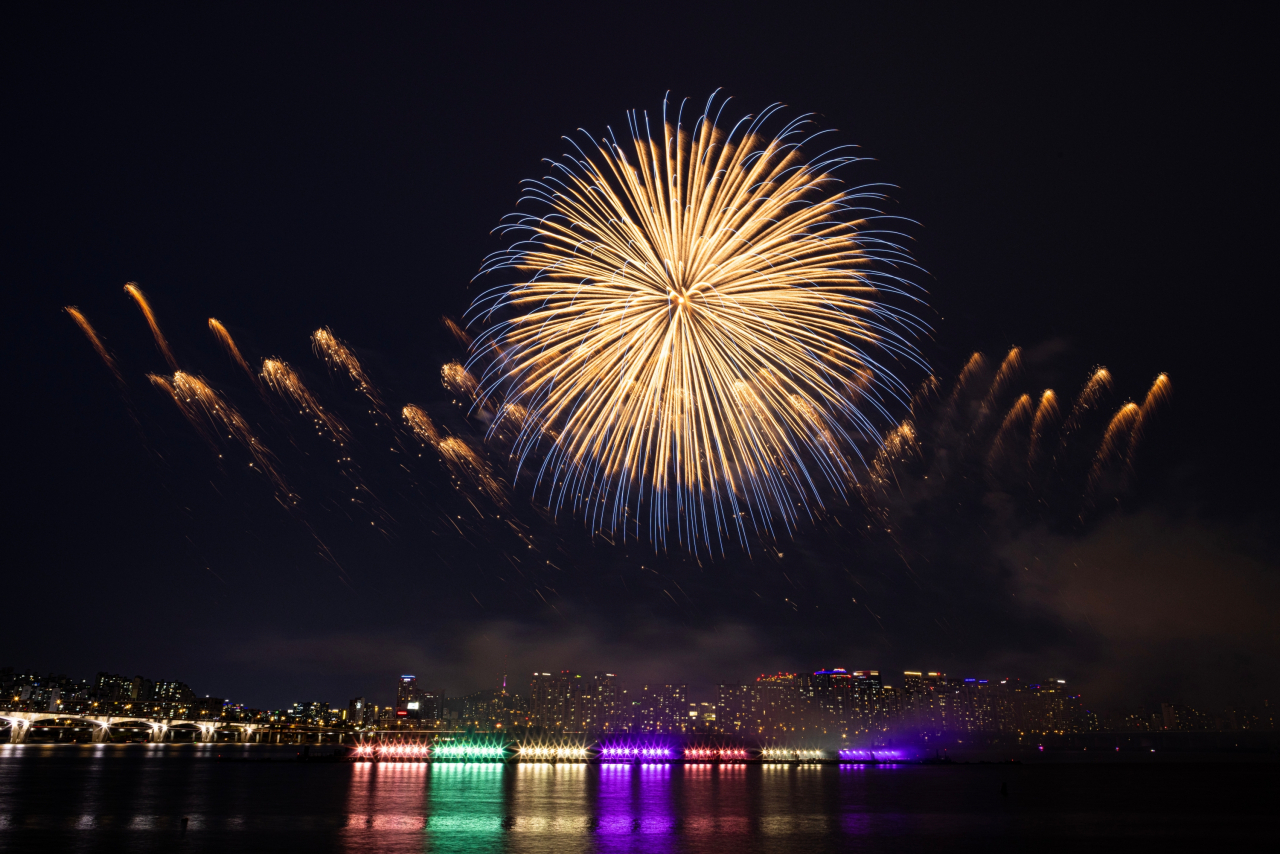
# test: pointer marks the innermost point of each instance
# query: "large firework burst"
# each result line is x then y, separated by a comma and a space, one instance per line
702, 331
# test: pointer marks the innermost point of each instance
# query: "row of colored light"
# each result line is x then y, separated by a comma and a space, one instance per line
777, 754
418, 751
469, 751
411, 751
394, 751
635, 753
544, 754
870, 755
708, 753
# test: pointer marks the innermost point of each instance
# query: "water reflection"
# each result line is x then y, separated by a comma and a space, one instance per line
636, 809
567, 807
553, 799
135, 798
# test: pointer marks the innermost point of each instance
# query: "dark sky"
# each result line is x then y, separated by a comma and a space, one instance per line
1092, 187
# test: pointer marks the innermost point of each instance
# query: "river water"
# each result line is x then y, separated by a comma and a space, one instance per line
259, 798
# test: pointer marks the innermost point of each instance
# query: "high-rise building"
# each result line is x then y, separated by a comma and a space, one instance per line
356, 711
111, 689
571, 702
407, 705
974, 706
733, 708
832, 695
544, 710
596, 704
174, 692
935, 704
662, 709
416, 704
775, 705
174, 698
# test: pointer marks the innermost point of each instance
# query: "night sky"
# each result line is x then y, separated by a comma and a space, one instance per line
1090, 187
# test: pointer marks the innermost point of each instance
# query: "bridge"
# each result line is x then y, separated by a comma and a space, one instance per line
160, 730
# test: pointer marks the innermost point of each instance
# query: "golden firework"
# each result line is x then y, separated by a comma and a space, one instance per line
691, 312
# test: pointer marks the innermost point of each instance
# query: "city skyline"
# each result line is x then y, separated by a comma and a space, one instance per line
831, 706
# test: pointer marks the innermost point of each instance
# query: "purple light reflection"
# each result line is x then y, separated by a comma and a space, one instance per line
636, 809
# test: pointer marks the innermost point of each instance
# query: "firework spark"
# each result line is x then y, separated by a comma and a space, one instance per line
339, 358
1018, 415
458, 381
1099, 383
229, 344
140, 298
1009, 368
941, 449
98, 346
666, 278
1158, 397
422, 425
210, 415
464, 463
1114, 443
459, 334
900, 443
1046, 415
973, 368
284, 381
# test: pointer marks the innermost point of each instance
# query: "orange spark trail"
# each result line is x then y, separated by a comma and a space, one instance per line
1158, 397
1046, 414
977, 364
458, 380
1092, 392
134, 291
462, 461
340, 358
459, 334
1008, 368
228, 343
900, 443
205, 409
465, 462
1017, 416
284, 381
509, 421
83, 323
928, 388
422, 425
1113, 441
